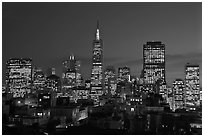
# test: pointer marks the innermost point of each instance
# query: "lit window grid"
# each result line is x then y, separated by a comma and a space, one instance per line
179, 94
108, 75
39, 81
192, 86
154, 61
80, 94
53, 84
19, 77
154, 56
152, 75
123, 74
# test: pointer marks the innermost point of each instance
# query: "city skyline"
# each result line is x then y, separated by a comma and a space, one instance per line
40, 33
137, 73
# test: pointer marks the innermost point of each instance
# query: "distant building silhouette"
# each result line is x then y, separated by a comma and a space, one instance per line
50, 71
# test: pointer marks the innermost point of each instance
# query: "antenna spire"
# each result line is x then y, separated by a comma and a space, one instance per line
97, 31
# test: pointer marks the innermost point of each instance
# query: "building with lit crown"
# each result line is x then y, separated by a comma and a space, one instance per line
71, 75
97, 67
192, 87
19, 76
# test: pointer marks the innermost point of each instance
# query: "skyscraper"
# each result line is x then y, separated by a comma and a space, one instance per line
192, 98
178, 94
71, 75
97, 67
154, 63
19, 76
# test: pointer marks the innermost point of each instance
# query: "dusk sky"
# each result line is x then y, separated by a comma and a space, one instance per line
50, 32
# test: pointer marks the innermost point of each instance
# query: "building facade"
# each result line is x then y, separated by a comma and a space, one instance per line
110, 82
192, 84
19, 76
71, 75
39, 79
53, 84
154, 63
178, 94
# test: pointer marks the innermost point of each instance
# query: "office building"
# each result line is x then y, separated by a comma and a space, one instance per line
192, 85
178, 94
110, 80
19, 76
71, 75
39, 79
154, 63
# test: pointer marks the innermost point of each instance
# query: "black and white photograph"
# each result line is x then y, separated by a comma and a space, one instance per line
101, 68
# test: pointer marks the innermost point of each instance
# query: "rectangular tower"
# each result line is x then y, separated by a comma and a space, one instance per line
192, 84
19, 76
154, 63
178, 94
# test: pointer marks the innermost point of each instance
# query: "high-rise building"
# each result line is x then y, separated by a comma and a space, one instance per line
97, 67
178, 94
71, 75
39, 79
124, 74
110, 80
19, 76
154, 63
192, 97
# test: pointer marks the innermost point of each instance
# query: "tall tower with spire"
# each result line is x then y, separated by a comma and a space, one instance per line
97, 67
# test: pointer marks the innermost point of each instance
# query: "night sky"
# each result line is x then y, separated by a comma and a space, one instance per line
49, 32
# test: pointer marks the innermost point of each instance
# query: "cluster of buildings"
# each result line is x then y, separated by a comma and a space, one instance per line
23, 81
